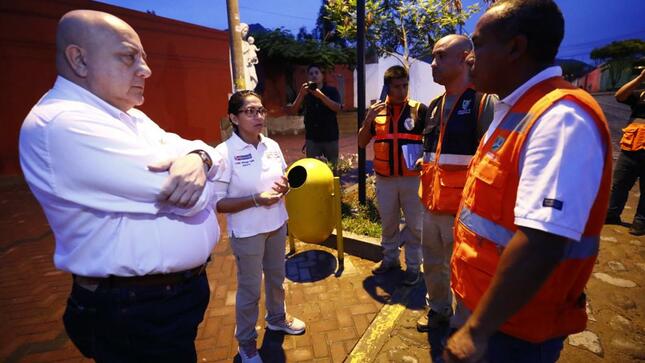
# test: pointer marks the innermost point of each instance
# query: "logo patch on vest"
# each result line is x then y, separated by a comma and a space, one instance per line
552, 203
465, 108
408, 123
499, 141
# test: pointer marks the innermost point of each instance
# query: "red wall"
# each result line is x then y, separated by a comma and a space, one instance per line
187, 93
274, 95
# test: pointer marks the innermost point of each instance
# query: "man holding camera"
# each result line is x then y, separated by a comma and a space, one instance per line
321, 103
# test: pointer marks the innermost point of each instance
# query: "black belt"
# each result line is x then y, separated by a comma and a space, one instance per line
172, 278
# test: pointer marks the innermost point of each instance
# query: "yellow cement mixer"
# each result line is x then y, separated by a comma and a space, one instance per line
313, 204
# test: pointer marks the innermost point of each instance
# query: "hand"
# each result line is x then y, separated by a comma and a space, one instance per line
304, 89
317, 93
268, 198
373, 111
185, 181
465, 347
281, 186
418, 164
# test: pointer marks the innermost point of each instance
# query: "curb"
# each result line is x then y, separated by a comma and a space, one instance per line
365, 247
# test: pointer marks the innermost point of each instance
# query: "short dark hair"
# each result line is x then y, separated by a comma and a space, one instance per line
540, 21
237, 101
395, 72
315, 65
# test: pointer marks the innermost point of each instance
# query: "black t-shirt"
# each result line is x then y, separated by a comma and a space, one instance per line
637, 103
320, 122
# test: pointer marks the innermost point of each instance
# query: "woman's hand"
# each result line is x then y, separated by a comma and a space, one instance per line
268, 198
281, 186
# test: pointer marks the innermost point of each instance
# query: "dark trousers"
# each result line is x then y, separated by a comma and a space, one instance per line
629, 167
137, 324
504, 348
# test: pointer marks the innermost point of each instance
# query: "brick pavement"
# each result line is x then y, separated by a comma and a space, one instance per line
34, 293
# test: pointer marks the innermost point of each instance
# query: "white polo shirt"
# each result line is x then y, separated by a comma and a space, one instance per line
562, 159
245, 170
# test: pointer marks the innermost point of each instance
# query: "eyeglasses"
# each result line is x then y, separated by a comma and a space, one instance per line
252, 111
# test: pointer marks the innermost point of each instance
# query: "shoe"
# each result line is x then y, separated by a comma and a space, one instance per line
384, 267
432, 320
411, 277
249, 352
637, 229
289, 325
613, 220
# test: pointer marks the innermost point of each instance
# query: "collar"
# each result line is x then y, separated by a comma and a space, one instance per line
550, 72
80, 94
238, 144
390, 103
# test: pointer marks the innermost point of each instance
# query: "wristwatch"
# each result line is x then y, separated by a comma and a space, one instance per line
205, 158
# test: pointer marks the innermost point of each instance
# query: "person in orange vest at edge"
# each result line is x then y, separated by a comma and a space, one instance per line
456, 122
528, 227
631, 161
397, 124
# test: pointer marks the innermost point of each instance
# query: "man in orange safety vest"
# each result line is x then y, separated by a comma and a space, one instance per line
528, 227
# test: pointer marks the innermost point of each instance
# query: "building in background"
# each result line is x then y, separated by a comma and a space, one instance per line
187, 93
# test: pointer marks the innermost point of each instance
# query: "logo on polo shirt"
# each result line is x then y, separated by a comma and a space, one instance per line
243, 157
243, 160
272, 155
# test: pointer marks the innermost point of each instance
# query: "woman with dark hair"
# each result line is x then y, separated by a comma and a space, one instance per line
251, 186
320, 104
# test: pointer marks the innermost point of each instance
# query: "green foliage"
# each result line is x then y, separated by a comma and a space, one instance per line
619, 55
361, 219
407, 26
621, 49
280, 46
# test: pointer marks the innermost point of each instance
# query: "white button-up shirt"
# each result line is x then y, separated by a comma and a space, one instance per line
562, 159
246, 170
86, 163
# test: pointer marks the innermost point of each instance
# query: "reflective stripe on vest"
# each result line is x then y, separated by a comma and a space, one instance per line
448, 159
486, 221
442, 179
400, 136
587, 246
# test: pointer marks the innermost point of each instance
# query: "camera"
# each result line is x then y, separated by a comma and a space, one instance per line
312, 85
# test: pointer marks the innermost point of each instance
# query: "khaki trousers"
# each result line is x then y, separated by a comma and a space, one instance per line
437, 242
264, 252
396, 194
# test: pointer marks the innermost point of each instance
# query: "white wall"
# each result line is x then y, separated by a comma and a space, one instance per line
422, 87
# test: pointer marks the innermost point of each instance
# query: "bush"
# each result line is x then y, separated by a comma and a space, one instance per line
361, 219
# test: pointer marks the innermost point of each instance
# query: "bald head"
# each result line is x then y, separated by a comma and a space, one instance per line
456, 42
449, 62
86, 29
102, 54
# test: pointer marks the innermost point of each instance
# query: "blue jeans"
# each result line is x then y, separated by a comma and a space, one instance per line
504, 348
137, 324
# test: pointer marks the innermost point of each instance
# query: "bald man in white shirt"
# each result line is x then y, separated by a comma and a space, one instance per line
129, 203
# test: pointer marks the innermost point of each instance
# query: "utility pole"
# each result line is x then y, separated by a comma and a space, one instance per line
360, 92
235, 40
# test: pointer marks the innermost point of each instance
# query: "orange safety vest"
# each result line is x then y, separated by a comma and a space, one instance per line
389, 138
633, 137
485, 222
443, 176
